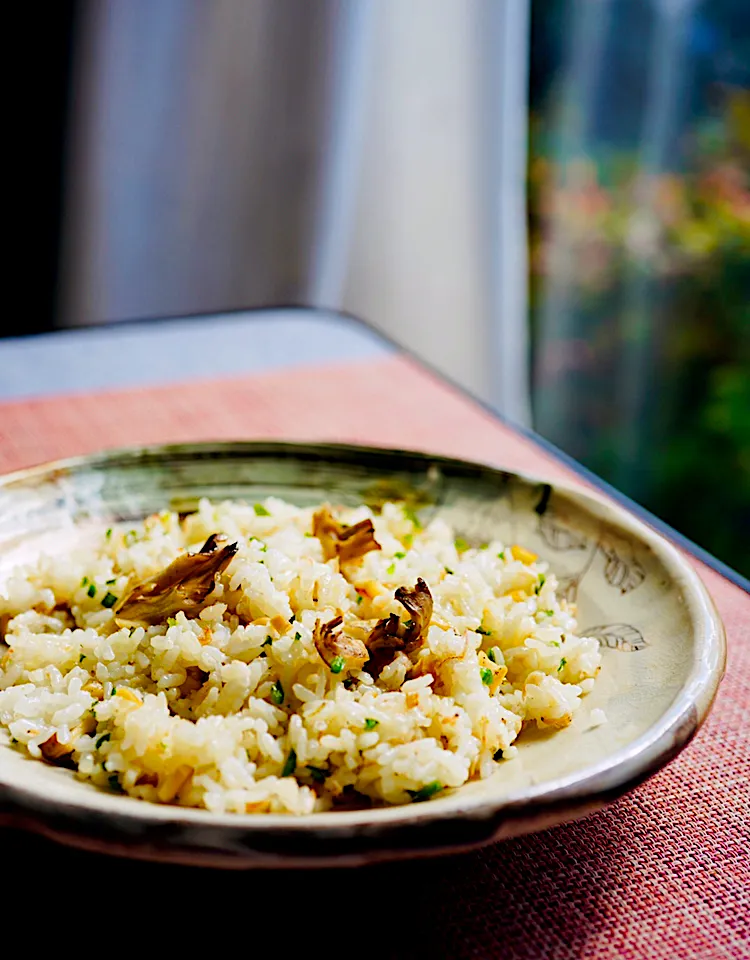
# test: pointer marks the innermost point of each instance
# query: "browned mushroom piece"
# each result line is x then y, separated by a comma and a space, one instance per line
388, 637
55, 752
338, 540
331, 644
183, 585
418, 603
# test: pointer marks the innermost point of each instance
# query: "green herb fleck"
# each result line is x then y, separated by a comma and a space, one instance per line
114, 782
448, 570
318, 774
498, 755
492, 655
291, 764
359, 599
14, 741
114, 691
109, 600
84, 581
548, 613
110, 582
412, 517
260, 510
540, 584
370, 724
486, 674
501, 555
485, 633
337, 664
555, 643
298, 636
562, 664
92, 590
391, 568
268, 641
399, 555
349, 683
102, 739
427, 791
460, 544
277, 693
82, 658
171, 621
108, 534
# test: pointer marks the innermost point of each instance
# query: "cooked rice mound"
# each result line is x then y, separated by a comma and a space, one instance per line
241, 690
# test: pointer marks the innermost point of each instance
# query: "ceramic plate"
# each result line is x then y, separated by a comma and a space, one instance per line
662, 639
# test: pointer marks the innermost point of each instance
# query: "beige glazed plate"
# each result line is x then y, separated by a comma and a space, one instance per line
663, 649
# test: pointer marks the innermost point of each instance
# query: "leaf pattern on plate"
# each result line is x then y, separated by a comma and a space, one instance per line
560, 537
624, 572
618, 636
567, 588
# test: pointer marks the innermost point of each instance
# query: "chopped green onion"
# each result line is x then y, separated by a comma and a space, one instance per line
277, 693
485, 633
540, 584
411, 516
370, 724
114, 691
391, 568
291, 764
555, 643
486, 674
260, 510
399, 555
548, 613
359, 599
337, 664
501, 555
110, 582
171, 621
108, 534
109, 600
429, 790
268, 641
491, 654
562, 664
104, 737
318, 774
460, 544
84, 581
298, 636
92, 590
448, 570
82, 658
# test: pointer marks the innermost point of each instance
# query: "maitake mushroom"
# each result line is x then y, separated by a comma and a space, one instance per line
183, 585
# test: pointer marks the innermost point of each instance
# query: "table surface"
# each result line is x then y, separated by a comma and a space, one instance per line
664, 872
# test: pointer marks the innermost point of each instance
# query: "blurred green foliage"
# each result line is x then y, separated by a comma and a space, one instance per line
654, 270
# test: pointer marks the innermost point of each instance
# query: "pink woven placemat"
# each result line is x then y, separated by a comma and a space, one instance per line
661, 874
